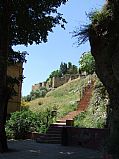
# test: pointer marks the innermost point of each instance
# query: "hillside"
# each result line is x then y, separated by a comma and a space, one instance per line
64, 99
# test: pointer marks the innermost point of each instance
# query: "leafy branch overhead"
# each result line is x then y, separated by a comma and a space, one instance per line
16, 57
101, 24
87, 63
30, 21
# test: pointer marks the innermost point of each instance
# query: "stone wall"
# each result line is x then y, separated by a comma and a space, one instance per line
58, 81
15, 102
36, 86
55, 82
85, 137
39, 85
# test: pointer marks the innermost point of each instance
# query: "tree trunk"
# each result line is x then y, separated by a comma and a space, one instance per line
107, 68
3, 72
4, 44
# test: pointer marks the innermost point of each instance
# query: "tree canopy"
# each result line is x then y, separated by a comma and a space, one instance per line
68, 68
65, 68
87, 63
30, 21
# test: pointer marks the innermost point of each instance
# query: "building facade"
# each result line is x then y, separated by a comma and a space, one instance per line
14, 103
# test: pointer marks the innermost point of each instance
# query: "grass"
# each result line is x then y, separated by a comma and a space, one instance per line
63, 99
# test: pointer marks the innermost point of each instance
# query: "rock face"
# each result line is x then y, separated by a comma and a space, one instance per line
105, 49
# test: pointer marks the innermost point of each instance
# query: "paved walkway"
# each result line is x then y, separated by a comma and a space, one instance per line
29, 149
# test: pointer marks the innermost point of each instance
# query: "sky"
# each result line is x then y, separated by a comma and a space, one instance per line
61, 47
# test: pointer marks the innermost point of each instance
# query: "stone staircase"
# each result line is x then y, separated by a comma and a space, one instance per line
82, 106
53, 134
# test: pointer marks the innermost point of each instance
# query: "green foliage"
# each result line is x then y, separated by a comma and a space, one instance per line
64, 98
63, 68
71, 69
74, 69
81, 34
100, 17
56, 73
19, 124
16, 57
24, 104
87, 63
27, 98
26, 121
31, 21
36, 94
39, 93
100, 24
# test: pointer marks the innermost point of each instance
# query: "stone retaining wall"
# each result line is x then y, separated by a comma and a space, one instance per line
86, 137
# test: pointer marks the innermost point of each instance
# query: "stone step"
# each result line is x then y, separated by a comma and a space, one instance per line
55, 129
58, 124
50, 138
53, 134
61, 121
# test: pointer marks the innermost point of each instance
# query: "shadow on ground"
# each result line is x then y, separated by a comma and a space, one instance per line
29, 149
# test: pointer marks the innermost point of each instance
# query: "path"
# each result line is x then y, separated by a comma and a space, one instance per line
29, 149
82, 105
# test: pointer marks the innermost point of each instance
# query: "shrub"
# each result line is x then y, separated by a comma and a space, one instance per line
87, 63
24, 105
26, 121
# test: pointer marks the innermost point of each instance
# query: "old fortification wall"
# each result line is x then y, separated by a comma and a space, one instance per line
55, 82
39, 85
